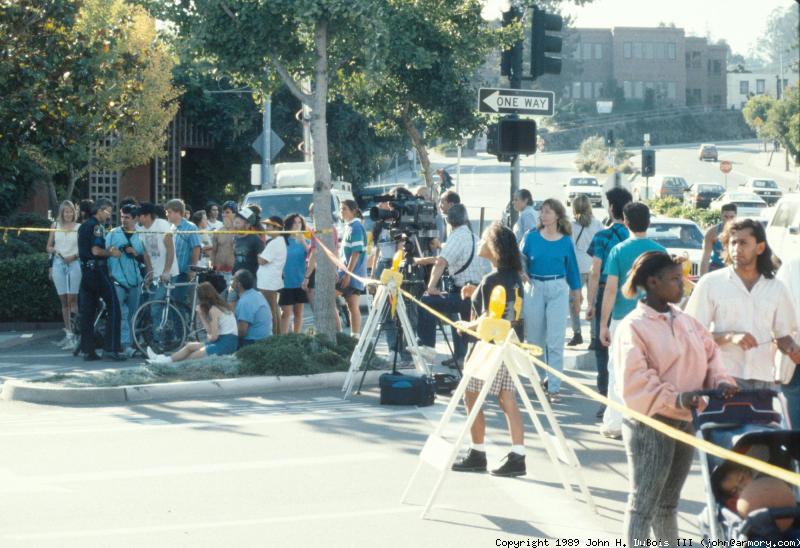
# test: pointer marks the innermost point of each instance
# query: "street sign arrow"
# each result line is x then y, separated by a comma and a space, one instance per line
516, 101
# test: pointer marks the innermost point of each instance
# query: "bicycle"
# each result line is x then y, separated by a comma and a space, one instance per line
99, 327
165, 325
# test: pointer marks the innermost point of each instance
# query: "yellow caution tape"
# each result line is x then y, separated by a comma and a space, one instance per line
307, 233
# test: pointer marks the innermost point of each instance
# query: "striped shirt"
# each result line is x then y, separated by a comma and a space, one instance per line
603, 242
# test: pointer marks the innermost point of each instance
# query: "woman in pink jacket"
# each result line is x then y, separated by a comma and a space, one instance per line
665, 357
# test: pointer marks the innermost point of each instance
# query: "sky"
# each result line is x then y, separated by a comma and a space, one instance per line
739, 22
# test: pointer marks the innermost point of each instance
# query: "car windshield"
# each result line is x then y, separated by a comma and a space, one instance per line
765, 184
709, 188
579, 181
758, 205
675, 182
678, 235
284, 205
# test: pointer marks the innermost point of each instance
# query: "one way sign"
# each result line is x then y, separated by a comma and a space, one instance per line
516, 101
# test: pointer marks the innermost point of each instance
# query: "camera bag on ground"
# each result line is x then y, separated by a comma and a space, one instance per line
400, 389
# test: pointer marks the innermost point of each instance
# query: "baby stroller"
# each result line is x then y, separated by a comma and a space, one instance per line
746, 423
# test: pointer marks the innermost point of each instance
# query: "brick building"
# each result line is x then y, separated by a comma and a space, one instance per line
659, 66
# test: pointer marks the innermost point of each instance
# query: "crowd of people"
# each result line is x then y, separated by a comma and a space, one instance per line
268, 278
656, 343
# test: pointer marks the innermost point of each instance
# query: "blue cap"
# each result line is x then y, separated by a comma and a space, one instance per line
230, 204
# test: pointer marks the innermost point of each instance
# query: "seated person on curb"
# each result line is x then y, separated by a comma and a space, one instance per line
459, 257
253, 316
499, 246
218, 321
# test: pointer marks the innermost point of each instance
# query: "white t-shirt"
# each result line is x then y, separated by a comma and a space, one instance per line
270, 275
215, 225
583, 243
153, 241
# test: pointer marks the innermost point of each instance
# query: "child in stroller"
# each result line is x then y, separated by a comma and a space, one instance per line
741, 503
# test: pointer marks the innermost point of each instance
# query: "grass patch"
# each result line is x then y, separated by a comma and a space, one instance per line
286, 355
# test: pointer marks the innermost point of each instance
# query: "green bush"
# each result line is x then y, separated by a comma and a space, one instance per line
296, 354
672, 207
36, 240
28, 294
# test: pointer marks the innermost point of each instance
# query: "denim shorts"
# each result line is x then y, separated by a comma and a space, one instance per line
225, 344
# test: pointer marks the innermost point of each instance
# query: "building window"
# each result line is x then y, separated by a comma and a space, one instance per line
587, 90
717, 100
709, 66
626, 50
648, 50
587, 51
576, 51
760, 86
717, 67
696, 60
671, 90
598, 90
598, 51
671, 50
627, 89
638, 90
637, 50
744, 87
576, 90
566, 92
688, 60
660, 50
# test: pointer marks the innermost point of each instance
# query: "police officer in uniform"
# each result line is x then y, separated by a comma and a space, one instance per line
96, 284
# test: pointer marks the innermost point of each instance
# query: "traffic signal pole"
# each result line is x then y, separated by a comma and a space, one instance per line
515, 82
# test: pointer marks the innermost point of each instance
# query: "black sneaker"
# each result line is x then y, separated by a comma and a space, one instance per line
576, 339
91, 357
475, 461
513, 466
593, 344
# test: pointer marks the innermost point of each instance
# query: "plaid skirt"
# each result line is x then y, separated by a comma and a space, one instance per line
501, 382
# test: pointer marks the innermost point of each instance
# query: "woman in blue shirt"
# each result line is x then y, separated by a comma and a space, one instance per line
549, 255
292, 297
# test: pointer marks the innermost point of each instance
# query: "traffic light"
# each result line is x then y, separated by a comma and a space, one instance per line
516, 136
610, 138
543, 43
648, 162
511, 59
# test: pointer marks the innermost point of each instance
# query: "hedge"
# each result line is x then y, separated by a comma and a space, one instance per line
28, 294
296, 354
671, 207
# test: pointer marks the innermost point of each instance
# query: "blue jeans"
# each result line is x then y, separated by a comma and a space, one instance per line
128, 302
179, 294
545, 309
446, 303
791, 392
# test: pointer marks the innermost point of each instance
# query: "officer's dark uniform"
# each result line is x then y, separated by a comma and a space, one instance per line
96, 284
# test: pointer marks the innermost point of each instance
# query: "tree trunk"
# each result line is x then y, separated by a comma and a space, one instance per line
52, 196
325, 293
424, 160
74, 177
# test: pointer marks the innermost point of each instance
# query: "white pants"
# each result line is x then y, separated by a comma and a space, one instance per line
612, 419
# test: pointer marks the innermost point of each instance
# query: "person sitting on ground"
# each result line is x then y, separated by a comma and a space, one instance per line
499, 246
665, 357
253, 316
219, 323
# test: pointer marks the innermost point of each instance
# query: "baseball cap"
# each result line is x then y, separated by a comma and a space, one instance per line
247, 214
230, 204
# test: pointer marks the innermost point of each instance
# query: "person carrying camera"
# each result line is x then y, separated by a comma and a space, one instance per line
459, 257
126, 272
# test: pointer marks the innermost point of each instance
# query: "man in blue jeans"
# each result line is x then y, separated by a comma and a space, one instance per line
126, 272
187, 247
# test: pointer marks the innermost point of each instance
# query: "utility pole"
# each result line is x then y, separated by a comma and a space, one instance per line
512, 67
266, 143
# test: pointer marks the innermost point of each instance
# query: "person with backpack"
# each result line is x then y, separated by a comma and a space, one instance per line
584, 227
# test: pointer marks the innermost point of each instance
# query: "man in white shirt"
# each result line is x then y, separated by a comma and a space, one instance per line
789, 274
746, 308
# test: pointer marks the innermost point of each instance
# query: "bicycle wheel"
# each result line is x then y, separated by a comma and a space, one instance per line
196, 331
160, 325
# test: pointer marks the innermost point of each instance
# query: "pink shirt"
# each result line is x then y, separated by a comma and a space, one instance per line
663, 356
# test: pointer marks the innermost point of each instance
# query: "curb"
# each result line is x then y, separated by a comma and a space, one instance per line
37, 336
580, 360
16, 390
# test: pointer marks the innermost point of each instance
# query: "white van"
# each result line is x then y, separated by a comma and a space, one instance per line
783, 230
294, 191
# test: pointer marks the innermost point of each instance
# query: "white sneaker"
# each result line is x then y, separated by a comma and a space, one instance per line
70, 342
65, 340
151, 354
159, 359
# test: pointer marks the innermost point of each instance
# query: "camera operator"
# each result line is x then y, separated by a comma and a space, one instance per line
465, 266
446, 201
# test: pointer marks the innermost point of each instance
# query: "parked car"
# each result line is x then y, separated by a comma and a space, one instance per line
768, 189
708, 152
681, 237
748, 204
783, 230
702, 194
660, 187
588, 186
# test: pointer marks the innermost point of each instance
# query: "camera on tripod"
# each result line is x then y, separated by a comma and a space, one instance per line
407, 215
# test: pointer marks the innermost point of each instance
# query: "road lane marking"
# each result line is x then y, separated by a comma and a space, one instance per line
302, 518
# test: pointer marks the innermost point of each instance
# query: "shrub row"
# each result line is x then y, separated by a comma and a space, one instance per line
671, 207
296, 354
28, 294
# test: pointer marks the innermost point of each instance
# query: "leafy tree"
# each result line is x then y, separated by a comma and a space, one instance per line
780, 41
783, 122
755, 113
308, 45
